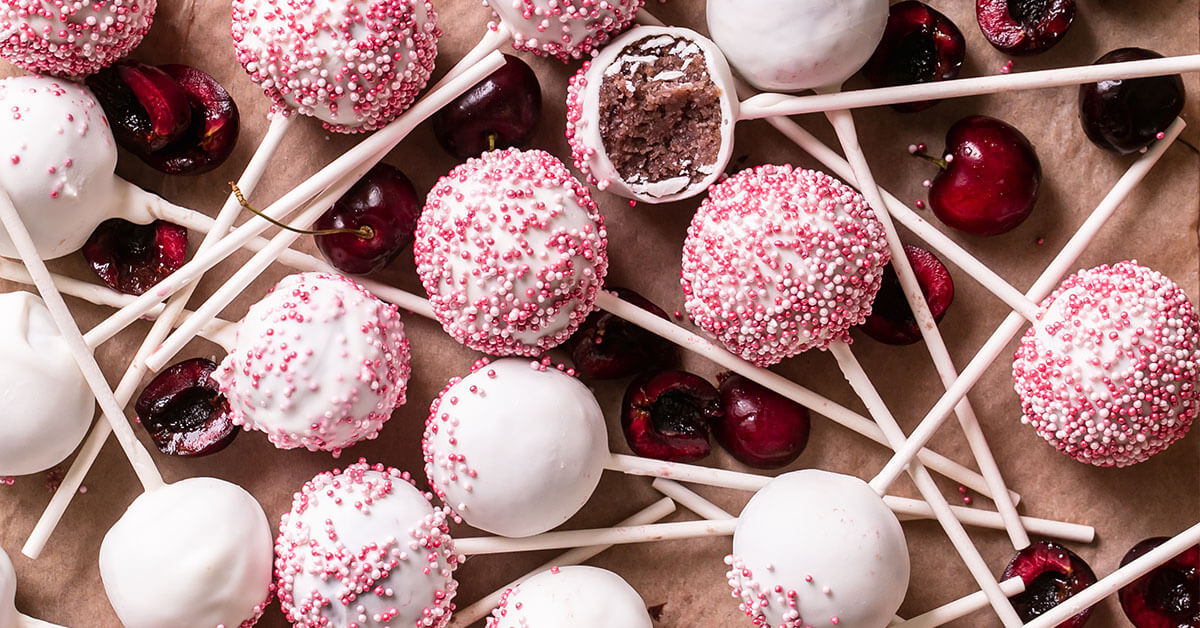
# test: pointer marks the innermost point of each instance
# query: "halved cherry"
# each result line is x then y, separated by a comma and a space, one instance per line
185, 412
132, 258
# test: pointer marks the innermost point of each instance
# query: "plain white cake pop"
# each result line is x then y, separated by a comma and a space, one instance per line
193, 554
364, 547
577, 596
516, 447
48, 406
8, 592
790, 45
319, 363
566, 29
818, 549
57, 164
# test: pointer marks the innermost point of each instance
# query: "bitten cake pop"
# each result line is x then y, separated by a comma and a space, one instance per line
193, 553
669, 108
516, 447
511, 250
778, 261
71, 38
818, 549
48, 405
565, 29
353, 64
1109, 372
363, 547
577, 596
319, 363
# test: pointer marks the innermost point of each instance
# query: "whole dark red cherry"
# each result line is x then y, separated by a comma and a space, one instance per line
213, 132
385, 202
1125, 116
891, 320
758, 426
1051, 573
989, 178
919, 45
610, 347
146, 108
666, 415
184, 411
1168, 596
132, 258
1024, 27
500, 111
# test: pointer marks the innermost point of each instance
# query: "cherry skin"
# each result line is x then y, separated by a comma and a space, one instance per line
146, 108
919, 45
666, 415
892, 320
386, 203
758, 426
609, 347
213, 133
501, 111
989, 179
1052, 573
185, 412
132, 258
1168, 596
1126, 116
1024, 27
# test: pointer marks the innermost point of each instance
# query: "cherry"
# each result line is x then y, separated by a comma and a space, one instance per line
1052, 573
919, 45
1126, 116
1168, 596
989, 179
1024, 27
213, 133
184, 412
666, 415
384, 202
609, 347
500, 111
758, 426
133, 258
891, 320
147, 108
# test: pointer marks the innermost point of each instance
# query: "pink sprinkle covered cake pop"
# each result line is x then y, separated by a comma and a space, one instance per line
319, 363
1108, 374
511, 250
353, 64
565, 29
71, 38
363, 547
778, 261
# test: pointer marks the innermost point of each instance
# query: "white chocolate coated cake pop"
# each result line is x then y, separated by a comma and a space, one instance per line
193, 554
565, 29
57, 164
8, 593
577, 596
71, 38
319, 363
778, 261
669, 106
1108, 374
821, 550
516, 447
511, 250
47, 403
790, 45
363, 547
353, 64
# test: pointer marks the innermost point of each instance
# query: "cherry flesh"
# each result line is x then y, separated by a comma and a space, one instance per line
892, 320
1125, 116
919, 45
147, 108
1024, 27
1052, 573
609, 347
132, 258
758, 426
666, 415
1168, 596
213, 133
386, 203
500, 111
184, 412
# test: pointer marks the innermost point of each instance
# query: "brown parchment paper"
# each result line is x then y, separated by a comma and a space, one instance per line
1157, 226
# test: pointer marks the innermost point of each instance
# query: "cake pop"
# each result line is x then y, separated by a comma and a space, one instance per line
72, 38
566, 29
319, 363
577, 596
363, 547
511, 250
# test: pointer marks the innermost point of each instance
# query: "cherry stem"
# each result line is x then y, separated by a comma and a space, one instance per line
366, 232
941, 163
491, 138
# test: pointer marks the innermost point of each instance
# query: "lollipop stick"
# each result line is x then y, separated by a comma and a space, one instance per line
491, 41
579, 555
960, 608
25, 621
561, 539
143, 464
771, 105
690, 499
1041, 288
858, 380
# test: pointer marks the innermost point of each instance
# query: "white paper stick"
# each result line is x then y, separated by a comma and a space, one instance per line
690, 499
1042, 288
771, 105
483, 607
562, 539
25, 621
139, 458
960, 608
1111, 583
491, 41
962, 543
